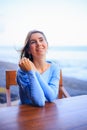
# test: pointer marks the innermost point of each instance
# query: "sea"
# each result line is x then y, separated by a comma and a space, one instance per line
72, 59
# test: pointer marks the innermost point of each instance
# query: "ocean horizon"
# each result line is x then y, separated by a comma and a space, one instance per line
72, 59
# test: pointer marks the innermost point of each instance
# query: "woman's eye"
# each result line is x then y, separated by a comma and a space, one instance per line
41, 40
33, 42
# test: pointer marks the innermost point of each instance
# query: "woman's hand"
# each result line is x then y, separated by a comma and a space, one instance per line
26, 64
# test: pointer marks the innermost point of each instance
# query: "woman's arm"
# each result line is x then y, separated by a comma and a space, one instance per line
31, 87
51, 88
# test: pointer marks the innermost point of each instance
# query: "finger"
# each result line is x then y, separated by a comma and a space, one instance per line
24, 58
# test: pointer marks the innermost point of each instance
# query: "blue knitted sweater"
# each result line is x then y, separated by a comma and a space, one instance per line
36, 88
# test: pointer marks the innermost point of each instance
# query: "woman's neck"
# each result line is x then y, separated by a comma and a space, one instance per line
41, 65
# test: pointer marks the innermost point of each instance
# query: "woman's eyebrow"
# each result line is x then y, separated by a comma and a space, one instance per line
35, 39
40, 37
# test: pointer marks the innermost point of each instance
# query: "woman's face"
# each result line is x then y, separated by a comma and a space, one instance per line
38, 45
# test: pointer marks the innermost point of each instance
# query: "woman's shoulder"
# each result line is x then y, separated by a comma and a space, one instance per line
54, 68
54, 63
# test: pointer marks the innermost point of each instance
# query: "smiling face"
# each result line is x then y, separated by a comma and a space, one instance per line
38, 45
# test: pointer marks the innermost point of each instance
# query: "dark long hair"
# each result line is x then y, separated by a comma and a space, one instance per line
24, 51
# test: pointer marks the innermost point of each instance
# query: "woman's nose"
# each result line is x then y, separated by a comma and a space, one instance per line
38, 43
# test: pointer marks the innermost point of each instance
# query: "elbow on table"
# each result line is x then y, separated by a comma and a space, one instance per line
41, 103
51, 99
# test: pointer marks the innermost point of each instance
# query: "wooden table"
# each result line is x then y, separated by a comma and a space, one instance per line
63, 114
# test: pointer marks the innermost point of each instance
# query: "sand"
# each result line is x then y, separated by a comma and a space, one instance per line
74, 86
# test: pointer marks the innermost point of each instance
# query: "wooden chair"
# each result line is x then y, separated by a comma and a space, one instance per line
62, 91
11, 80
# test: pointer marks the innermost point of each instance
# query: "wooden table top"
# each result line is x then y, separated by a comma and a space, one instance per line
62, 114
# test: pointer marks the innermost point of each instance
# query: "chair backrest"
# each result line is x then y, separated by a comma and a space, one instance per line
62, 91
11, 80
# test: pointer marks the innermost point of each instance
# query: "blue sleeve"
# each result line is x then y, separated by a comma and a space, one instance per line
52, 87
30, 87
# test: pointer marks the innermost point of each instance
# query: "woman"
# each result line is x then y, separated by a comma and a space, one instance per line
37, 78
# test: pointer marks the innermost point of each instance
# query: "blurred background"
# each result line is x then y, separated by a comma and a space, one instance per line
64, 23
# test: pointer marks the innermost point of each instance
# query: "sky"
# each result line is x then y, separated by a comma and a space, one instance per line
64, 22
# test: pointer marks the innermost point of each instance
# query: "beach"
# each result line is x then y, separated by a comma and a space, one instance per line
74, 86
